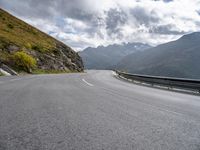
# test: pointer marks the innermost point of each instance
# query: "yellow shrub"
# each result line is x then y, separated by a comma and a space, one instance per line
28, 46
24, 61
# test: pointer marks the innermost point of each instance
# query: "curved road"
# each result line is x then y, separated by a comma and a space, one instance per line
94, 111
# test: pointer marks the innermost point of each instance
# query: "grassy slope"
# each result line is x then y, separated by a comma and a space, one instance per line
14, 31
12, 28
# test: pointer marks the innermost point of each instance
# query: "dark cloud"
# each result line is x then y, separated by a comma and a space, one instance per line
55, 11
114, 20
197, 23
166, 1
86, 25
165, 29
46, 9
75, 9
30, 9
144, 17
198, 12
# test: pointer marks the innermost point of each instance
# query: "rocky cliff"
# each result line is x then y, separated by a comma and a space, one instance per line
26, 49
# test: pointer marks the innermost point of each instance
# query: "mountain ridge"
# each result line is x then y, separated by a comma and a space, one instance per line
106, 57
178, 58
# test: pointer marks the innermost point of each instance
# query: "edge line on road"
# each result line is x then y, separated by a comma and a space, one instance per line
87, 82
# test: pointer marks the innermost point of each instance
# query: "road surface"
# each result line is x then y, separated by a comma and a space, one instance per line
94, 111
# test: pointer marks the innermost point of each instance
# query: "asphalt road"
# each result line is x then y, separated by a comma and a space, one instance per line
94, 111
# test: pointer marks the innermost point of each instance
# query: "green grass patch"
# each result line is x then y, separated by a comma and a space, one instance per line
33, 43
40, 71
13, 30
23, 61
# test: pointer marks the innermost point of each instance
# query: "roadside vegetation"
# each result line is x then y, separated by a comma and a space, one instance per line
17, 39
22, 61
40, 71
31, 38
26, 49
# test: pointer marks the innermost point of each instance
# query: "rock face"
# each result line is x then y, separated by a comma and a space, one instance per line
49, 53
64, 59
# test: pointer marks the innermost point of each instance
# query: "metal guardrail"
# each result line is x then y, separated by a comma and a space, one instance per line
187, 84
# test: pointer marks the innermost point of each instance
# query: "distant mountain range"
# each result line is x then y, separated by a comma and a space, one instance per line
106, 57
180, 58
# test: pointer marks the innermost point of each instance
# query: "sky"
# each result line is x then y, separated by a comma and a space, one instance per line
90, 23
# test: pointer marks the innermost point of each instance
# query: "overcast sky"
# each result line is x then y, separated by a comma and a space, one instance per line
83, 23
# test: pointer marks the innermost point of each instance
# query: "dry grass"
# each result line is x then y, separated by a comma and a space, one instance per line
13, 30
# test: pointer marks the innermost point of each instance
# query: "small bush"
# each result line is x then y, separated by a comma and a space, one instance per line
24, 61
38, 48
33, 32
28, 46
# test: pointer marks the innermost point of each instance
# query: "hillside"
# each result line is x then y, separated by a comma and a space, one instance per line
26, 49
179, 58
107, 57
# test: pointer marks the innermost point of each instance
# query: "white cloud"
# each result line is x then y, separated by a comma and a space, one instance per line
82, 23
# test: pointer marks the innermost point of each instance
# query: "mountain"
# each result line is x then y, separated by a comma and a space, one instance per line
180, 58
26, 49
107, 57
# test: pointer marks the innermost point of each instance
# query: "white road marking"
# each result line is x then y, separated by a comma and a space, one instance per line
87, 82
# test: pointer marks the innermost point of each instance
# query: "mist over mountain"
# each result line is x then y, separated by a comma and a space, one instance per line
107, 57
180, 58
